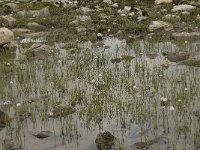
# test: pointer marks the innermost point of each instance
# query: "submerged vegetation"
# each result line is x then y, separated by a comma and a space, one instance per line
93, 91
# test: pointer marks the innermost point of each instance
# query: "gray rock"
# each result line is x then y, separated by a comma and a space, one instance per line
183, 7
157, 2
115, 5
170, 17
160, 25
186, 35
12, 7
8, 144
83, 18
74, 23
33, 35
108, 2
35, 13
176, 56
62, 110
197, 4
6, 36
152, 54
7, 21
105, 138
20, 30
193, 60
132, 14
186, 13
99, 35
85, 10
65, 3
4, 119
81, 31
39, 51
35, 26
140, 11
42, 134
104, 16
141, 18
125, 11
24, 1
198, 18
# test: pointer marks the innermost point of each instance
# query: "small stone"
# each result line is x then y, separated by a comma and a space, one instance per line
104, 138
62, 110
18, 105
65, 3
42, 134
171, 108
115, 5
108, 2
99, 35
83, 18
35, 26
186, 13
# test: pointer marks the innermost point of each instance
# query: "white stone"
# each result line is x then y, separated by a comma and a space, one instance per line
108, 2
182, 7
115, 5
157, 2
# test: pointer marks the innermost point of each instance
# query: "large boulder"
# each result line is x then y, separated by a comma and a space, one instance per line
6, 36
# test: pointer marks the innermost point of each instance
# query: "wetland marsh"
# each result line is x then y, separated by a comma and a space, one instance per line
136, 99
99, 75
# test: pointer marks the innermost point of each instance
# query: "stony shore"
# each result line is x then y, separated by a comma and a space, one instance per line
38, 24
